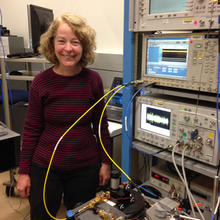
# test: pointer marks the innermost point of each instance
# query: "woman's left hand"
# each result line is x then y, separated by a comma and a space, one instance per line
104, 174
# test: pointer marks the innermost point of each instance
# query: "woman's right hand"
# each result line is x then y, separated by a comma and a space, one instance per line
24, 185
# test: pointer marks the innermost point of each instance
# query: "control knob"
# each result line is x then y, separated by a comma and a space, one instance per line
209, 142
199, 139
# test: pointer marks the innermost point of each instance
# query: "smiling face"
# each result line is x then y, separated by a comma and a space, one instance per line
68, 49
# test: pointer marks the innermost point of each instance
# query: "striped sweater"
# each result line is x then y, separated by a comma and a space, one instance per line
55, 103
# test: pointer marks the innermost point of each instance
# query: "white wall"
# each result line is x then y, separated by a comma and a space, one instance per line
105, 16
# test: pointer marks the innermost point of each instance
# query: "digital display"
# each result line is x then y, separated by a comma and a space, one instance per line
166, 6
155, 119
167, 57
159, 177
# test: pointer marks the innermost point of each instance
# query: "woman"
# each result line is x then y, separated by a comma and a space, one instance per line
58, 97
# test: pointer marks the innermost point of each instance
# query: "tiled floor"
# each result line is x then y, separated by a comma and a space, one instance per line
16, 208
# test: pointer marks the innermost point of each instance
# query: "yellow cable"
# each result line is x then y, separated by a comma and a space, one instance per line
51, 159
101, 138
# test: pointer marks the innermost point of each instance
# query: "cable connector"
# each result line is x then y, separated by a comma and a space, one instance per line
134, 82
170, 147
70, 215
140, 81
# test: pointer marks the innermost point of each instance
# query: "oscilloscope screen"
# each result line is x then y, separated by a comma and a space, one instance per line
155, 119
167, 57
161, 6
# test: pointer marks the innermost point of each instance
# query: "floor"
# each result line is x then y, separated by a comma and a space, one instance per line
16, 208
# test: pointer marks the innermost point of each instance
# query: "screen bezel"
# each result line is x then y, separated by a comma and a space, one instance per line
145, 38
34, 32
168, 12
149, 128
165, 15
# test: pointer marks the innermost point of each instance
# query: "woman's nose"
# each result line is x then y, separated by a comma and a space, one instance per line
68, 46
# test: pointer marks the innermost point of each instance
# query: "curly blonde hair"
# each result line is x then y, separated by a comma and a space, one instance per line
81, 29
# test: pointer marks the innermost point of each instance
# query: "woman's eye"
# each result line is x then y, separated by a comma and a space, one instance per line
60, 41
75, 43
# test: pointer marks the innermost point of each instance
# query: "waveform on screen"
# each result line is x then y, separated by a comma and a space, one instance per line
153, 118
158, 117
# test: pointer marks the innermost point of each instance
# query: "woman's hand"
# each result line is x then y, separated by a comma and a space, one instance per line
104, 174
24, 185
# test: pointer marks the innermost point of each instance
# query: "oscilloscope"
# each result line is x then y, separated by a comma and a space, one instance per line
164, 122
184, 60
159, 15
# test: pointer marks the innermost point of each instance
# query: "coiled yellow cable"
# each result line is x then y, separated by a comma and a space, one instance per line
51, 159
100, 138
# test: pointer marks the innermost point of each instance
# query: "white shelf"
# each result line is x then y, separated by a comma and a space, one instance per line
28, 75
114, 128
28, 60
10, 133
16, 77
22, 78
